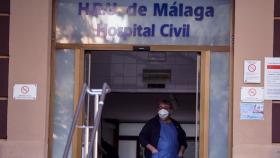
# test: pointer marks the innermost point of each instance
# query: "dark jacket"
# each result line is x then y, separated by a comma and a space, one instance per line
150, 134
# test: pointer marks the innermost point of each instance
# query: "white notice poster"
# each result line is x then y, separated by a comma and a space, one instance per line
252, 71
25, 92
272, 78
252, 94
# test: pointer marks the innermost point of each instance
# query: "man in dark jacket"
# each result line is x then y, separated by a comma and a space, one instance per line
162, 136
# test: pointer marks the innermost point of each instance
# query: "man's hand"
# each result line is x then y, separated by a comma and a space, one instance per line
181, 152
180, 155
155, 151
152, 148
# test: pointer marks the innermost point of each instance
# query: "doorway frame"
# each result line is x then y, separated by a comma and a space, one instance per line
205, 53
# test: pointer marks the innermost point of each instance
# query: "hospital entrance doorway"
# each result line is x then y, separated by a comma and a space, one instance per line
139, 79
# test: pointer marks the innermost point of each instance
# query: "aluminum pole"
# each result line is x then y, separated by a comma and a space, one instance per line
196, 105
74, 122
105, 90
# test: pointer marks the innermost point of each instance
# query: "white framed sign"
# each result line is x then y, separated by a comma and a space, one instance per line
25, 92
272, 78
143, 22
252, 94
252, 71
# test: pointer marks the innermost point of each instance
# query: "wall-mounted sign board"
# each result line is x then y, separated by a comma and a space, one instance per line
272, 78
252, 94
25, 92
147, 22
251, 111
252, 71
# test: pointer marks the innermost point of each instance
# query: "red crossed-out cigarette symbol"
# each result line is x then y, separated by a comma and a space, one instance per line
252, 67
24, 89
252, 92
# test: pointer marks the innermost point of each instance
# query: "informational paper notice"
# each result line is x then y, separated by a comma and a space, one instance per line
252, 94
251, 111
272, 78
25, 91
252, 71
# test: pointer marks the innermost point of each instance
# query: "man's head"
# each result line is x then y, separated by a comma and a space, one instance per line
164, 109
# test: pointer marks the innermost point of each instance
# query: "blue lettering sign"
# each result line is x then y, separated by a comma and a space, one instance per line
174, 10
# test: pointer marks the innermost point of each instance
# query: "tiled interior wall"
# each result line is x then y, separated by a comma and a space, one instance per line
125, 70
4, 64
276, 53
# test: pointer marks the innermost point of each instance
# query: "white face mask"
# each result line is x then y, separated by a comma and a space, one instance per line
162, 113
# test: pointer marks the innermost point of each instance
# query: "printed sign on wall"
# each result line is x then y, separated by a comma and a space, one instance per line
252, 94
252, 71
180, 22
25, 91
251, 111
272, 79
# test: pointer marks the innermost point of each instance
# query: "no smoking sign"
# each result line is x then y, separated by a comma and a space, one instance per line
252, 67
25, 91
252, 94
252, 71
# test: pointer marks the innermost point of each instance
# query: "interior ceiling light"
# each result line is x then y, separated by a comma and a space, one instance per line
156, 75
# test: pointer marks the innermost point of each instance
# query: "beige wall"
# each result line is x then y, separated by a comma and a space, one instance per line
30, 62
30, 30
253, 40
